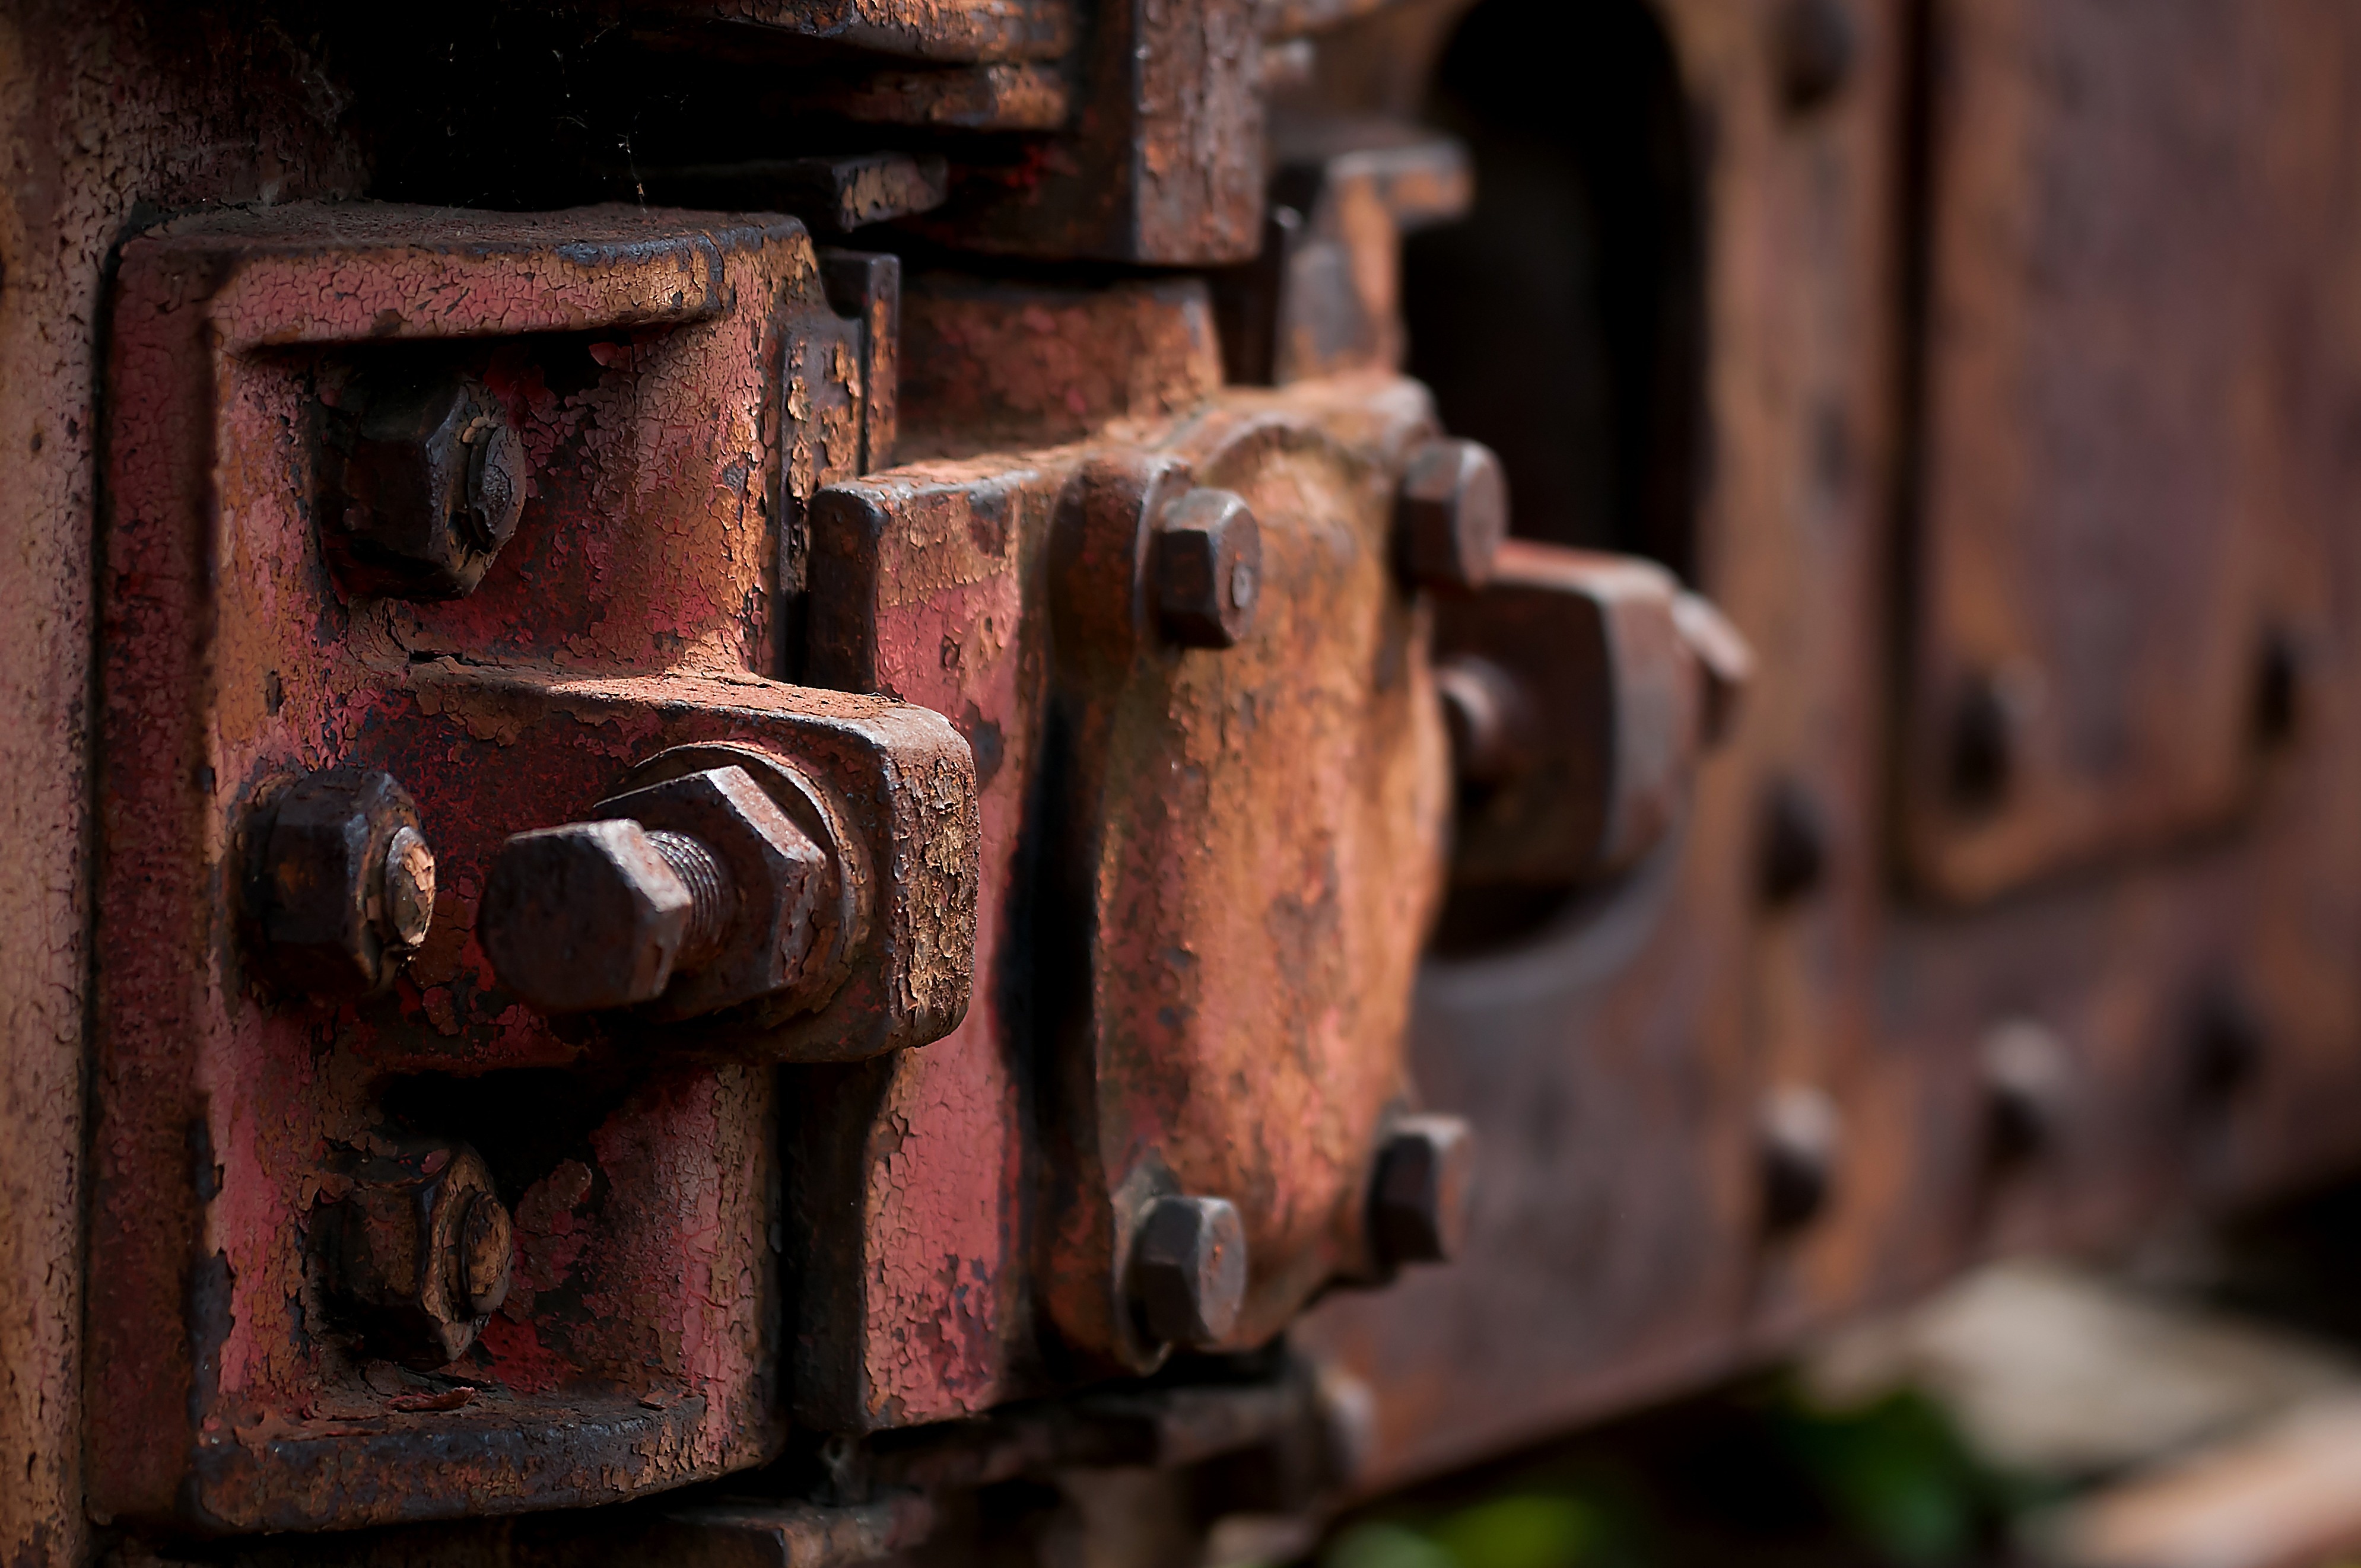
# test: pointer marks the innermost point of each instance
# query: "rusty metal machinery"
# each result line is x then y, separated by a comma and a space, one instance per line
800, 779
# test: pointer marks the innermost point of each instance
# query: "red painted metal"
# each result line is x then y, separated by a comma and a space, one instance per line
919, 591
1730, 1079
673, 413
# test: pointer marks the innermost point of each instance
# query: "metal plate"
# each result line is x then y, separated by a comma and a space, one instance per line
655, 366
2108, 598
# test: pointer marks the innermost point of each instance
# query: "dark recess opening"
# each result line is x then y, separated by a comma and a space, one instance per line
1562, 321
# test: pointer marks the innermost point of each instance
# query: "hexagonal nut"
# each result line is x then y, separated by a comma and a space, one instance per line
845, 902
1488, 715
2028, 1086
343, 884
1417, 1197
1815, 46
583, 918
1799, 1142
1725, 663
775, 869
419, 1249
1205, 569
1188, 1276
1450, 515
430, 489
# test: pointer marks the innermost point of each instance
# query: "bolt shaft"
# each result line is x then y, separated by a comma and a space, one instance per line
710, 896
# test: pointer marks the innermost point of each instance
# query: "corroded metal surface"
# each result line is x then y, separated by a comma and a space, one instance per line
966, 587
645, 1288
122, 123
1632, 1052
1596, 715
1253, 846
1325, 295
2098, 634
1983, 360
999, 366
1161, 162
923, 29
918, 592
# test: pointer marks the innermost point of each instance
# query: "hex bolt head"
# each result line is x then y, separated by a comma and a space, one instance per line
1205, 569
1798, 1135
2278, 696
1982, 758
419, 1249
1188, 1274
2026, 1075
430, 487
487, 1254
695, 893
409, 888
1418, 1198
343, 886
2226, 1046
765, 876
584, 917
1724, 663
1794, 853
1450, 515
1488, 718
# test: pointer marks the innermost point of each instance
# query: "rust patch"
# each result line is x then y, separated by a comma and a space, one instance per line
677, 384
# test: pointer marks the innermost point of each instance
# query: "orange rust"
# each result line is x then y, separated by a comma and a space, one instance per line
1256, 839
1320, 739
992, 366
1618, 1052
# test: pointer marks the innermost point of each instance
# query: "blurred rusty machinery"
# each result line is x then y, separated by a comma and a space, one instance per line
871, 777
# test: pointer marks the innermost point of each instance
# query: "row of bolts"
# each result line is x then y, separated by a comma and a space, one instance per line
1186, 1271
420, 1256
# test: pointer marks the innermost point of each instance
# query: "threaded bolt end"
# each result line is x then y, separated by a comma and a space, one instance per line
711, 898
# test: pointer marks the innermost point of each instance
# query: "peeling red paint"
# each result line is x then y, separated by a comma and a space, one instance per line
632, 612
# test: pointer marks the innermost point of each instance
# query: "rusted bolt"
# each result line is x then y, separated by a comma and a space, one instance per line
699, 892
1797, 1139
430, 487
1345, 1410
344, 885
584, 917
487, 1251
1725, 663
1983, 735
1205, 569
2277, 699
2226, 1045
1188, 1275
1815, 47
419, 1249
1488, 716
1794, 843
409, 890
1450, 515
1417, 1200
2026, 1074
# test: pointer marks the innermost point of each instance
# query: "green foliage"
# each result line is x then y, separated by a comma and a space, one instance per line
1895, 1471
1530, 1530
1381, 1545
1760, 1474
1524, 1529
